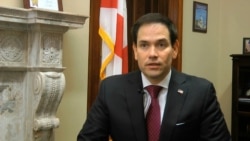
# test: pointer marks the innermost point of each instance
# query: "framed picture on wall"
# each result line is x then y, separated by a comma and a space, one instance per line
44, 4
200, 13
246, 45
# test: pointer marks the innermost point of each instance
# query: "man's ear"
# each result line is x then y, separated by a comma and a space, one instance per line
135, 51
176, 49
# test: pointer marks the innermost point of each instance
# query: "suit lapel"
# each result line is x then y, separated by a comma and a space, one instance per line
175, 98
134, 97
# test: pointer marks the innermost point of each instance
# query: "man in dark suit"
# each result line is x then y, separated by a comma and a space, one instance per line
189, 110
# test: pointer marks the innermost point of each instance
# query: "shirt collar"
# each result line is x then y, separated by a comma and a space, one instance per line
164, 83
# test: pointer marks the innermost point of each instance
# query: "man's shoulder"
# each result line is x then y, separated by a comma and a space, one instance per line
193, 78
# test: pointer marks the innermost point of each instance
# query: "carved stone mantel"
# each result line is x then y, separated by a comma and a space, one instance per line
31, 73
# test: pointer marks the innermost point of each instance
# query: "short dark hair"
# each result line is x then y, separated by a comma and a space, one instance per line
154, 18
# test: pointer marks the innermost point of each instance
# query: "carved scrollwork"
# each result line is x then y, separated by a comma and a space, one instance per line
46, 123
51, 53
11, 47
49, 87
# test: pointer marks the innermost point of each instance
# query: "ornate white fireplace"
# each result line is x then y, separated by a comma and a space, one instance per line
31, 73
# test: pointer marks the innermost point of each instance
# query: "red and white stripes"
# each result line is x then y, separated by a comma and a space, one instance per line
113, 31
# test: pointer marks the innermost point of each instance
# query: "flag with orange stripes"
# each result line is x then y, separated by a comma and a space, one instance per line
113, 32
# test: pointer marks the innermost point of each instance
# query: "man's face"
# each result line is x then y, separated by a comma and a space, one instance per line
154, 51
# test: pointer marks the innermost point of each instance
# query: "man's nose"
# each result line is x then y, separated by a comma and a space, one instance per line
152, 50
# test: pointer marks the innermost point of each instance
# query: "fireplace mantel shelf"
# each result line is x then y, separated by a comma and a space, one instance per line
41, 16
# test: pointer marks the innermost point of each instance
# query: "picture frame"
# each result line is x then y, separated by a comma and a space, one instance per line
246, 45
55, 5
200, 16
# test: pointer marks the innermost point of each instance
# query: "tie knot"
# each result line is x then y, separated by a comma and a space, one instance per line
153, 90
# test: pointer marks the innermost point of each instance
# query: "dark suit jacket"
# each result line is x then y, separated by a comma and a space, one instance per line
193, 115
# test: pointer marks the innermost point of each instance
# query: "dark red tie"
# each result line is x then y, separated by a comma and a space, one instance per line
154, 114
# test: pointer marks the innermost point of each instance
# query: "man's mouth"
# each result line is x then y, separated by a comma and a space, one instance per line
153, 65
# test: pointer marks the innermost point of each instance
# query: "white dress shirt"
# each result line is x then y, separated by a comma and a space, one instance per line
162, 97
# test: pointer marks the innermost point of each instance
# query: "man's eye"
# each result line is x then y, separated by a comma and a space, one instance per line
143, 45
162, 45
